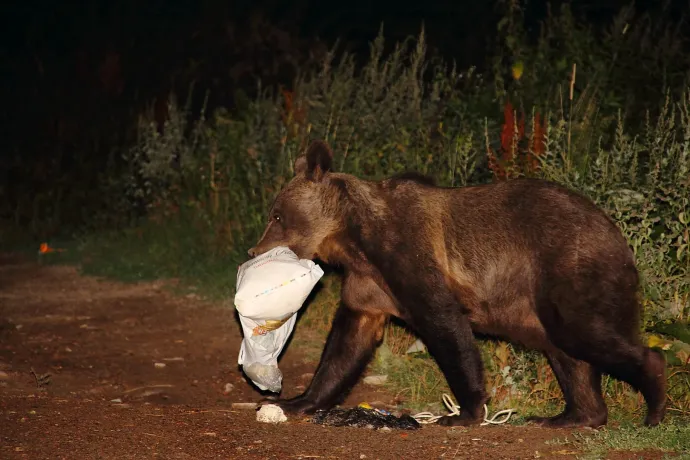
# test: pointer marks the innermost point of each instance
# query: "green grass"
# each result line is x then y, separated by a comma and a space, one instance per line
673, 436
152, 251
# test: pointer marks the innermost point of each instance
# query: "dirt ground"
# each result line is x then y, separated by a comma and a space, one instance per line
81, 377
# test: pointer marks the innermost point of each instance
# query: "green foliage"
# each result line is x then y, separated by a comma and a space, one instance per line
637, 58
670, 437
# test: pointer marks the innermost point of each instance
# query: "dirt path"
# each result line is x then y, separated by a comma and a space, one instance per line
106, 398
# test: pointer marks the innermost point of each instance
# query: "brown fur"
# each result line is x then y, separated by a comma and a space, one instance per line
527, 261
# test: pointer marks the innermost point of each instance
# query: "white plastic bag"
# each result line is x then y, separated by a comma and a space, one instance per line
270, 290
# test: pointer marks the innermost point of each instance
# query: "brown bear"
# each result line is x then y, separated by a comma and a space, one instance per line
527, 261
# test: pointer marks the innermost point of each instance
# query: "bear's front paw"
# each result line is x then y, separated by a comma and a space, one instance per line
298, 405
570, 420
464, 419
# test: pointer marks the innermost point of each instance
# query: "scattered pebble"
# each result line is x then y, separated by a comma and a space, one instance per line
116, 400
4, 375
270, 413
145, 393
177, 358
362, 456
375, 379
228, 388
456, 432
244, 405
68, 349
416, 347
159, 365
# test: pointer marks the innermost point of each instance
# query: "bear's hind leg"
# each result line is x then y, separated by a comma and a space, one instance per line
595, 318
580, 383
642, 368
653, 386
624, 358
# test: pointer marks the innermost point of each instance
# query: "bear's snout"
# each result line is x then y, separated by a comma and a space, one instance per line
252, 252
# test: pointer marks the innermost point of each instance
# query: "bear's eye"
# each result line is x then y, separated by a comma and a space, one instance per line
276, 217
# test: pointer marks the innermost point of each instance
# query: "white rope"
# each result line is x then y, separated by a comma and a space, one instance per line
428, 417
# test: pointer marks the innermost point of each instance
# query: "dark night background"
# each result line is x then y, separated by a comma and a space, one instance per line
75, 75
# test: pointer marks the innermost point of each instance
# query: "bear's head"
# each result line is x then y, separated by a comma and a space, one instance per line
305, 213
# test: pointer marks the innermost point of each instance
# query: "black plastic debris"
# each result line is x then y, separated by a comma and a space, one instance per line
360, 417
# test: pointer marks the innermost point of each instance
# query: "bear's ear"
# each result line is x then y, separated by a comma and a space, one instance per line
316, 162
